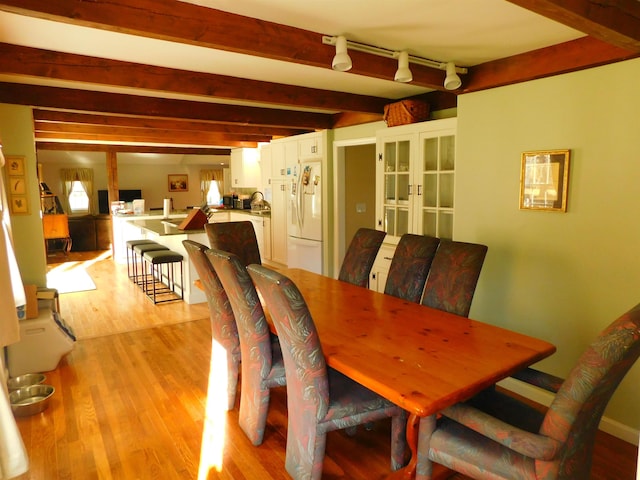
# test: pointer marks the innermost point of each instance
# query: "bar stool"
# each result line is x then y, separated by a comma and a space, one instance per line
155, 259
138, 252
131, 264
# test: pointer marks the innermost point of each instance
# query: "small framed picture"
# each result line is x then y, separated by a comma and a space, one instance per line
544, 180
17, 185
178, 183
15, 165
19, 204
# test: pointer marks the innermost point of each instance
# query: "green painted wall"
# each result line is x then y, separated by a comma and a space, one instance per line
16, 131
559, 276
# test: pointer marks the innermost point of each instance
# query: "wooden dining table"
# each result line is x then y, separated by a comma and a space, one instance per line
420, 358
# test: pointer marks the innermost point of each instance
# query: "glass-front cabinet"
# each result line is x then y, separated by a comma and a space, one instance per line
416, 179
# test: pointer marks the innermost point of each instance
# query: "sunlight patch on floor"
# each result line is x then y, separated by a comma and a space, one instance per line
215, 422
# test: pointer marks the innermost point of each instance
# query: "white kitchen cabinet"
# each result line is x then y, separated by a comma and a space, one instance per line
266, 255
265, 167
415, 176
245, 169
380, 270
258, 227
284, 157
310, 145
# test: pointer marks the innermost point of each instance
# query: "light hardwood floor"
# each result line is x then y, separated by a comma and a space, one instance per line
131, 402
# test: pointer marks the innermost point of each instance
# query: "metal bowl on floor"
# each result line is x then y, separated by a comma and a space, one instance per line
30, 400
25, 380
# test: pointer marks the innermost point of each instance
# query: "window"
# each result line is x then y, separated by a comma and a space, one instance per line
78, 199
213, 194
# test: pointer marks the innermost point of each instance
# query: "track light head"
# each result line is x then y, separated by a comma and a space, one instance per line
342, 60
452, 80
403, 74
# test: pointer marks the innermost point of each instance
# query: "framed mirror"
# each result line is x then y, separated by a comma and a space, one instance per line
544, 180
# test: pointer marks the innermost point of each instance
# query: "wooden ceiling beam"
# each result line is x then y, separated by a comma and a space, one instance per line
612, 21
57, 117
107, 102
33, 62
120, 148
182, 22
566, 57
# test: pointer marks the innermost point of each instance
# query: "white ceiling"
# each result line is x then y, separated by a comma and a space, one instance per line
468, 32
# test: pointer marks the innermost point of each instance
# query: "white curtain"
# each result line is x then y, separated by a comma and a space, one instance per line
13, 456
208, 176
85, 177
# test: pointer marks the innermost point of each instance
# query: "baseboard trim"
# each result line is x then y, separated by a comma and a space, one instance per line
612, 427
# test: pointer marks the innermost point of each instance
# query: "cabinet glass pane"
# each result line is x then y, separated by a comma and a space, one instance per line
430, 190
430, 154
389, 157
447, 153
390, 220
446, 190
403, 187
403, 222
429, 223
390, 188
404, 155
445, 225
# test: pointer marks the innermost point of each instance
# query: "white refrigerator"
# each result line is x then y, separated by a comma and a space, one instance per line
304, 245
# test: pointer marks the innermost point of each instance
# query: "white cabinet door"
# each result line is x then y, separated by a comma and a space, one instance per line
380, 269
245, 169
265, 166
266, 255
279, 222
310, 146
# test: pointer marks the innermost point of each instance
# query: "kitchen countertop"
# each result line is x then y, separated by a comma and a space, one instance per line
163, 227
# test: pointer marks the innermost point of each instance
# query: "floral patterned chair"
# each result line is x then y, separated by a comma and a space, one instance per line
496, 436
453, 277
319, 399
235, 237
262, 365
223, 323
360, 256
410, 266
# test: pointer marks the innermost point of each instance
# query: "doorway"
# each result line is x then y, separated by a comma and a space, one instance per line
355, 202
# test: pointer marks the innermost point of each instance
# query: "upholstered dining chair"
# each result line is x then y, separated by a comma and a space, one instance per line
319, 399
223, 324
360, 256
235, 237
453, 276
410, 266
262, 365
496, 436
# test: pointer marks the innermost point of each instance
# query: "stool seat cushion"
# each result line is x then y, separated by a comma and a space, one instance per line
148, 247
142, 241
162, 256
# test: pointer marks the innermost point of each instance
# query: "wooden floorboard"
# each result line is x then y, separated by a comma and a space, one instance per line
132, 402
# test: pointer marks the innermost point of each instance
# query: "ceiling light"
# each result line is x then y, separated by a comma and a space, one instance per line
452, 80
342, 60
403, 74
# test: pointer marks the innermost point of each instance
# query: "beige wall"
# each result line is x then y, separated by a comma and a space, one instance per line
16, 132
360, 180
559, 276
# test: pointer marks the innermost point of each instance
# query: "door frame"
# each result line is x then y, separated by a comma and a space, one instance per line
339, 148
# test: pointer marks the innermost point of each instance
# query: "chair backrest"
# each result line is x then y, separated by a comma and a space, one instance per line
453, 277
238, 238
575, 412
304, 362
255, 339
223, 323
410, 266
360, 256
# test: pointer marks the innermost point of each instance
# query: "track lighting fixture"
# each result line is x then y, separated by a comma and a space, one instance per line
403, 74
452, 80
342, 61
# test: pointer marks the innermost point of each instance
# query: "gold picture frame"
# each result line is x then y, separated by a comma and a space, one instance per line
19, 204
178, 183
544, 180
15, 165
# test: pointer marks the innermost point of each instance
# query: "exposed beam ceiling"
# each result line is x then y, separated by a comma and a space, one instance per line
85, 99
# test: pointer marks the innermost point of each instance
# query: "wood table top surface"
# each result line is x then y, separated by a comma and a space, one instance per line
420, 358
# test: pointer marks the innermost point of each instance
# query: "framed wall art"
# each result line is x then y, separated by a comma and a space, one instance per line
178, 183
544, 180
18, 195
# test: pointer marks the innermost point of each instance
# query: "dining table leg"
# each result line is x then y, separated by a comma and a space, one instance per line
414, 424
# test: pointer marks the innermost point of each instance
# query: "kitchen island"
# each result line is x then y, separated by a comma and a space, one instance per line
165, 231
